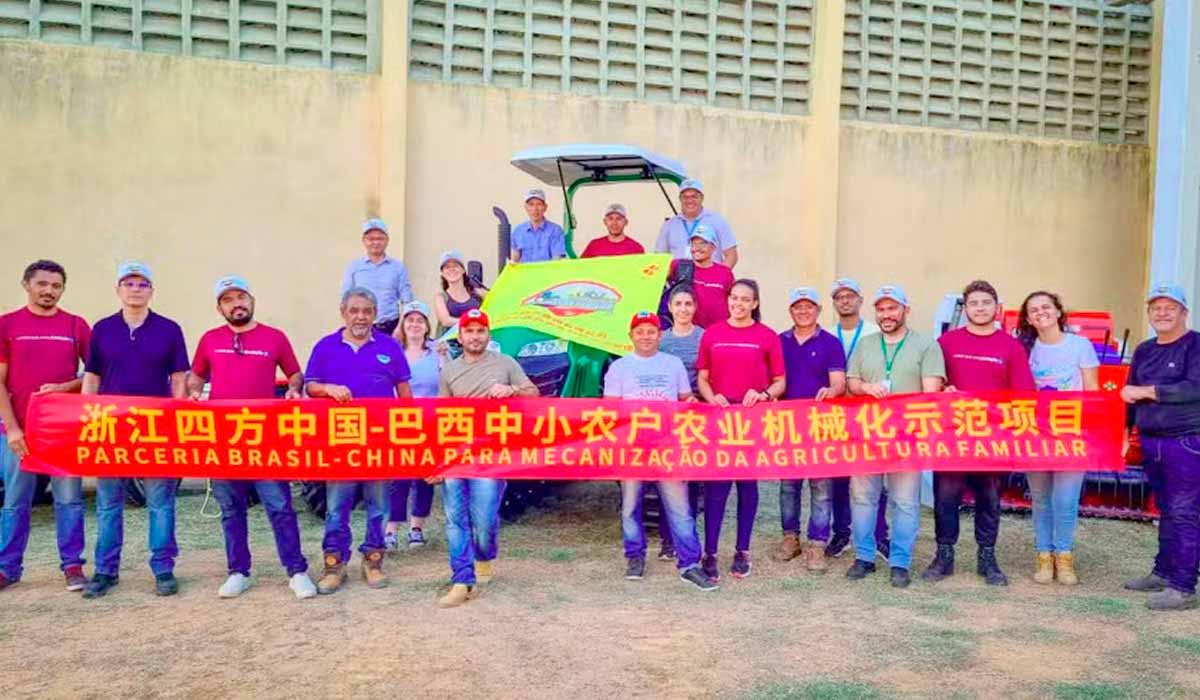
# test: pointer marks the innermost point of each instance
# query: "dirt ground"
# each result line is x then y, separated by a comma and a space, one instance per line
560, 621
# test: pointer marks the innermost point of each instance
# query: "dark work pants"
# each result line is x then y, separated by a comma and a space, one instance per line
1175, 467
841, 510
947, 494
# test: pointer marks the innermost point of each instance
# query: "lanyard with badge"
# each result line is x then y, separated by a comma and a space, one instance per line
853, 341
888, 363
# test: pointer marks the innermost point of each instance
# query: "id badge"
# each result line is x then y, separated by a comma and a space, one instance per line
887, 384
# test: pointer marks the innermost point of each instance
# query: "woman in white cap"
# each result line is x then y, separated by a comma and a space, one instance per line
414, 333
459, 293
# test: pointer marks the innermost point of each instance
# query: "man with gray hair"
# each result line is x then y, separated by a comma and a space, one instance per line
385, 276
356, 361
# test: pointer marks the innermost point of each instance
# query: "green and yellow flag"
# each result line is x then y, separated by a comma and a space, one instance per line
589, 301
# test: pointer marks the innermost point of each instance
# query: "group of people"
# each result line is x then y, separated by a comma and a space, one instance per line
706, 342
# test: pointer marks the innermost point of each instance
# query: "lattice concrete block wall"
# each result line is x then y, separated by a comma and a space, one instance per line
738, 54
332, 34
1073, 69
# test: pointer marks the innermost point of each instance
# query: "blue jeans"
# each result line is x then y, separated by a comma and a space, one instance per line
673, 499
820, 512
472, 524
18, 502
234, 498
422, 497
1176, 464
1055, 498
904, 509
110, 524
339, 500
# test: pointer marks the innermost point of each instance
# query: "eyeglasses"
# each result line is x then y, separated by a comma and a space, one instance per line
132, 284
237, 344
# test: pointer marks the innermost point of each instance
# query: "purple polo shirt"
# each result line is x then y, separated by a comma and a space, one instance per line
140, 361
370, 372
808, 365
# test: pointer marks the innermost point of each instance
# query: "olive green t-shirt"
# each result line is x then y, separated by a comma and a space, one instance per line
919, 357
473, 379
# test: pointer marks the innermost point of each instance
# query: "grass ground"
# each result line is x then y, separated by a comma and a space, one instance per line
560, 621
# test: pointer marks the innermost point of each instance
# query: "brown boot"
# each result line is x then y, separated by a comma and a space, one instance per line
1064, 569
1045, 568
334, 576
814, 558
459, 594
372, 569
788, 548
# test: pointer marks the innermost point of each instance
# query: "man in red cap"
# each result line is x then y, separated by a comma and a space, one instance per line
471, 539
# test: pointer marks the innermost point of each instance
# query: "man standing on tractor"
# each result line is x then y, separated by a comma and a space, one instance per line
240, 359
615, 242
473, 504
538, 239
677, 232
979, 357
357, 361
41, 348
1163, 393
385, 276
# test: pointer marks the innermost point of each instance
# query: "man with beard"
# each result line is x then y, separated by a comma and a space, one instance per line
357, 361
979, 357
897, 360
473, 505
240, 360
41, 347
136, 352
675, 236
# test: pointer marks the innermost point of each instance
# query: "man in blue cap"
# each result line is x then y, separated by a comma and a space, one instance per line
385, 276
676, 233
538, 239
1163, 394
135, 352
240, 359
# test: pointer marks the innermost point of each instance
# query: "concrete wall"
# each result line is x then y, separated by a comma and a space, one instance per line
198, 167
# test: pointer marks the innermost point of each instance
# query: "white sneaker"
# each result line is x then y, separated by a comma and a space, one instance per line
303, 586
234, 586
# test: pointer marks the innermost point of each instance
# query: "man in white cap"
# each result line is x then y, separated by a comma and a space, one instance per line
537, 239
897, 360
676, 234
240, 359
614, 242
385, 276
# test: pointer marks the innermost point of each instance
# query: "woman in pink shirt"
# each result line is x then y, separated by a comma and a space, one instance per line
740, 362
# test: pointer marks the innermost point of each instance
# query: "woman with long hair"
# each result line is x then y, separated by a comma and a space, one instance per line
414, 334
1061, 361
459, 292
740, 362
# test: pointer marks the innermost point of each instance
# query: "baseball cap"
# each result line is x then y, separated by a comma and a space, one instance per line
845, 283
474, 316
691, 184
804, 294
132, 269
1164, 290
615, 208
229, 282
646, 317
535, 193
451, 255
893, 292
416, 306
705, 233
374, 225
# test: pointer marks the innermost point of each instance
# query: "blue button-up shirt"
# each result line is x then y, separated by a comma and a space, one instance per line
675, 236
370, 372
387, 280
541, 244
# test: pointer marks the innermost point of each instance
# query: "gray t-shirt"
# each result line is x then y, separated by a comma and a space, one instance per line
660, 377
460, 378
918, 358
686, 348
1058, 366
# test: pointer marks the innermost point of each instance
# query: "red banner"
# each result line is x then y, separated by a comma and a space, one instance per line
572, 438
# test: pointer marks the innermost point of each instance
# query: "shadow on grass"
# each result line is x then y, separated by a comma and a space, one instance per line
814, 690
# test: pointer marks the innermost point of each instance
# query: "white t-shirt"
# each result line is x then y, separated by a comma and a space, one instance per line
660, 377
1058, 366
849, 342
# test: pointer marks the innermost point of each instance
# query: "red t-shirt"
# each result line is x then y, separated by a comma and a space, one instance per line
712, 285
601, 246
40, 350
985, 362
740, 359
250, 373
